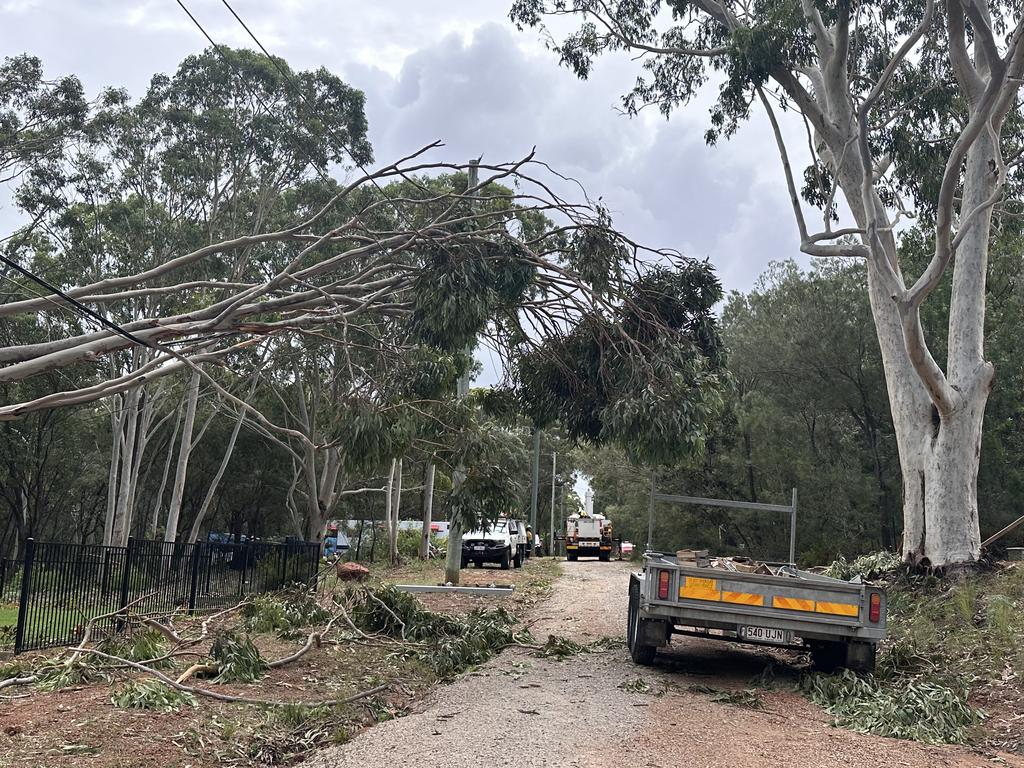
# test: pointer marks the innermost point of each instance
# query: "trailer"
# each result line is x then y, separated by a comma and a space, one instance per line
839, 622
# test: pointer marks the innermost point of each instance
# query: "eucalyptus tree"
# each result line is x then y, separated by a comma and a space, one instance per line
908, 110
207, 154
197, 227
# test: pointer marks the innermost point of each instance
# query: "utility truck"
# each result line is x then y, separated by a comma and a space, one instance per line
588, 536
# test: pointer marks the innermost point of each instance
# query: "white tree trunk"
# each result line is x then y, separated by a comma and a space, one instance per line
121, 510
158, 503
939, 449
393, 513
116, 423
193, 535
178, 489
388, 494
428, 509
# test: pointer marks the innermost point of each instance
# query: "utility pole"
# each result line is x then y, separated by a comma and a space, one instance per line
453, 556
535, 486
554, 478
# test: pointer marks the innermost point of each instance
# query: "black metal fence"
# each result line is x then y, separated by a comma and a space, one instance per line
62, 586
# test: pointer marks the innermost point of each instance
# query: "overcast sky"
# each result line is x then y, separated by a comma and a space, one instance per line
460, 72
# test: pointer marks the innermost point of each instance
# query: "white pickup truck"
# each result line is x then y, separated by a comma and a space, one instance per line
839, 622
503, 543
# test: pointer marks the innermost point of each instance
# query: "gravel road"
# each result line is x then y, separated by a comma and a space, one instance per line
588, 711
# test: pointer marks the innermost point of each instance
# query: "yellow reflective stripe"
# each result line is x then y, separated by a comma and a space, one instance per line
839, 609
700, 589
742, 598
793, 603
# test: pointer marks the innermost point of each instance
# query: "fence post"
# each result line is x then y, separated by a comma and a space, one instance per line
26, 578
122, 602
194, 587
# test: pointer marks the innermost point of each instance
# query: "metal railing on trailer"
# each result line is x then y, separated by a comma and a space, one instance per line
788, 509
63, 586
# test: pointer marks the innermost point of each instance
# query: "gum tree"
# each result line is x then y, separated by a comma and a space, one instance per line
908, 110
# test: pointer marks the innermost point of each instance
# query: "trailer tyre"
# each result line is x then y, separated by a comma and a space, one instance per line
517, 561
506, 559
640, 653
604, 557
571, 557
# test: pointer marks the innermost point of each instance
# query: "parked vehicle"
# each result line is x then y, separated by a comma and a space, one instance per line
588, 536
503, 543
840, 622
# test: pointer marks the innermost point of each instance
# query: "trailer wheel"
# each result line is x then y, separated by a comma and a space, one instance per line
517, 561
506, 559
641, 654
604, 557
571, 557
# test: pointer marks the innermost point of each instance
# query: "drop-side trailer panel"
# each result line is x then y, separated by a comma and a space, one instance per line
839, 622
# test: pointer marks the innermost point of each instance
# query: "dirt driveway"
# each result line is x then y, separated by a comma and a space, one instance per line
599, 709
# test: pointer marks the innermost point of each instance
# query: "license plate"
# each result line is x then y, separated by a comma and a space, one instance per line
764, 635
479, 547
588, 543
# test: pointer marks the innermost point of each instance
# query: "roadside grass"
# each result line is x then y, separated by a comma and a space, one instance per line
953, 649
8, 615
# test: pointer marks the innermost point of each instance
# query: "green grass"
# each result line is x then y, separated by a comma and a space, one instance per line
8, 615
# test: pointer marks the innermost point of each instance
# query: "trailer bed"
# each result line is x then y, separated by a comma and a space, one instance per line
840, 622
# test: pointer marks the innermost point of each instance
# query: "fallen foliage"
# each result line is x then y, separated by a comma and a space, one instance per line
151, 694
922, 711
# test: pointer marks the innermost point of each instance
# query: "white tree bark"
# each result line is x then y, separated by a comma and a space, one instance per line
178, 489
121, 510
428, 509
158, 503
393, 513
937, 415
193, 536
117, 417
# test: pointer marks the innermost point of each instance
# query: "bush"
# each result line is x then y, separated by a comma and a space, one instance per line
153, 695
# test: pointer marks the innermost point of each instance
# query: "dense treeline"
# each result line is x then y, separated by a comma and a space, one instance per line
808, 409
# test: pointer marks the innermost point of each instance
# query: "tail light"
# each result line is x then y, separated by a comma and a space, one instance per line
663, 585
875, 608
